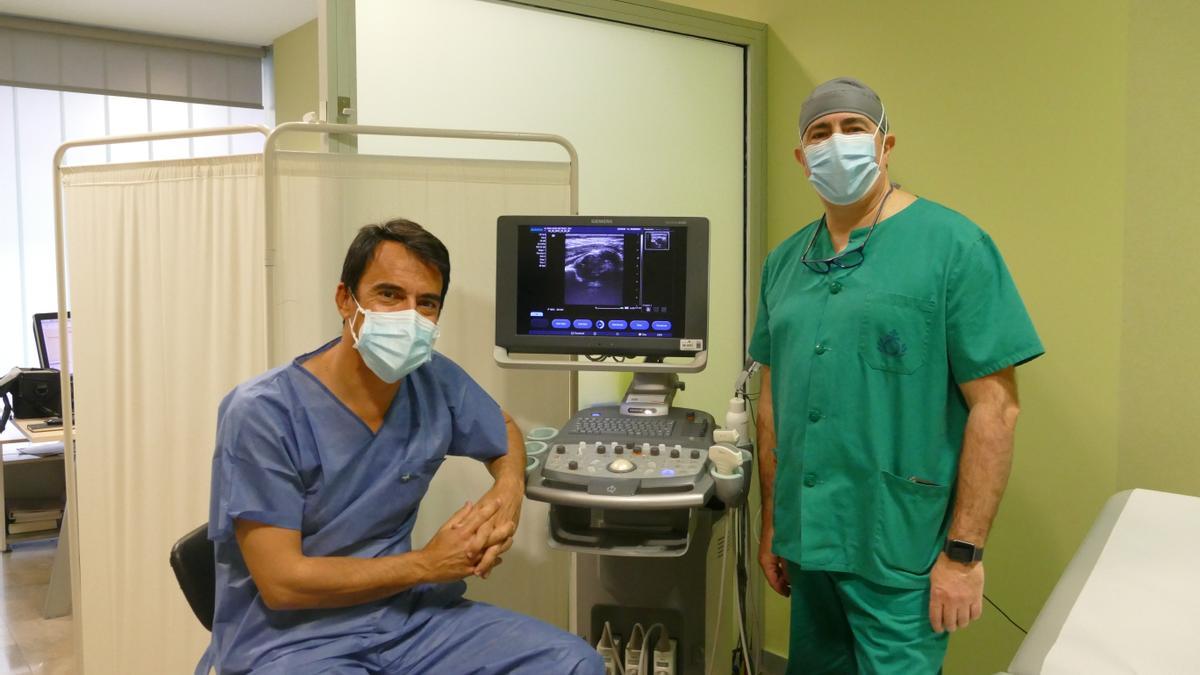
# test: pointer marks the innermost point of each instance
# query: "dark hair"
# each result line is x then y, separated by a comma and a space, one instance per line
419, 241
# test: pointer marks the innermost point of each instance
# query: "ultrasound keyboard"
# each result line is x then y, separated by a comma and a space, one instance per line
602, 452
597, 424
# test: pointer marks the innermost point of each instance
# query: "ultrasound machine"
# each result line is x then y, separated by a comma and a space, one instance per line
633, 488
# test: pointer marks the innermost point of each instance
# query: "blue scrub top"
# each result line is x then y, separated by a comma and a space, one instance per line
290, 454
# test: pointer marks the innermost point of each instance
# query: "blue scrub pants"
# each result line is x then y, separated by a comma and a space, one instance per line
843, 624
446, 633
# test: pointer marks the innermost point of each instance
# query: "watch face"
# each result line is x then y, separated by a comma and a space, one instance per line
960, 551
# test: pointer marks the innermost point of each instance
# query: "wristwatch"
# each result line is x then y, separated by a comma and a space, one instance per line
962, 551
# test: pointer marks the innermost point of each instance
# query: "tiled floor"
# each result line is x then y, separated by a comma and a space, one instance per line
31, 644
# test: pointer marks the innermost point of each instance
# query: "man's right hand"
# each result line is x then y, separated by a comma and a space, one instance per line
773, 566
458, 546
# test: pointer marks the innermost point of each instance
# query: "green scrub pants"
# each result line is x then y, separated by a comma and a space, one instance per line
842, 623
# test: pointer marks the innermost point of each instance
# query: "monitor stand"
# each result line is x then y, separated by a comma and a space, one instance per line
650, 394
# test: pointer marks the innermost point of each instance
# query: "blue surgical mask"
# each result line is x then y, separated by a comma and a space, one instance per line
843, 167
393, 344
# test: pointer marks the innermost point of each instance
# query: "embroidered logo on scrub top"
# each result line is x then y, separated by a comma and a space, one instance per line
891, 344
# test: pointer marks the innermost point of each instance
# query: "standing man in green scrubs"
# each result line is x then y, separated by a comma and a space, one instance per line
888, 330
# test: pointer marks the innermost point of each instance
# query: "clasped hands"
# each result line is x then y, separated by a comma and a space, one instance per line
473, 539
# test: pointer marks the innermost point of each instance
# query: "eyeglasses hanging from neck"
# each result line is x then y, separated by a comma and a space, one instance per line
847, 259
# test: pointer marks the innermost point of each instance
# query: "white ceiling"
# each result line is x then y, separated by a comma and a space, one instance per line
247, 22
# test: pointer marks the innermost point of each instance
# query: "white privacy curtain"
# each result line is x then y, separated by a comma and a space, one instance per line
167, 299
322, 200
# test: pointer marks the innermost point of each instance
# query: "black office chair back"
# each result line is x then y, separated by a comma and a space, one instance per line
195, 570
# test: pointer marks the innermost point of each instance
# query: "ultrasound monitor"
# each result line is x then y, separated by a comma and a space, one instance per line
602, 286
47, 334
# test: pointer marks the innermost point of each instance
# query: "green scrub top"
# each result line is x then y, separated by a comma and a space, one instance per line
865, 367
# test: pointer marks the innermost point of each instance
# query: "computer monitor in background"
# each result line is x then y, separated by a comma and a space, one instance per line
619, 286
47, 333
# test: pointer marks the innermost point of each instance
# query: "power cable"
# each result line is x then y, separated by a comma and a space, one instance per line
1005, 614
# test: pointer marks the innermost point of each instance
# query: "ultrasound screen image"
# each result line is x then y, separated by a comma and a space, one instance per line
658, 241
619, 281
594, 271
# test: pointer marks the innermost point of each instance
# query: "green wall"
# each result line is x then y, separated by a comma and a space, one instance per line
1160, 376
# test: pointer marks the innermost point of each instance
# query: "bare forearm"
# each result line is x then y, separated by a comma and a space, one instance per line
510, 467
983, 470
329, 582
765, 433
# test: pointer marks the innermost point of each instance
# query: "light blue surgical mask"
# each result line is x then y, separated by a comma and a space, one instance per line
843, 167
393, 344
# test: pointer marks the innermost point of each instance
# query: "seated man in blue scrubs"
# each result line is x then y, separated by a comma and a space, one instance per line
319, 469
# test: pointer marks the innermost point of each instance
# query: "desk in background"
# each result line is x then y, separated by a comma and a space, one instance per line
43, 475
58, 595
40, 436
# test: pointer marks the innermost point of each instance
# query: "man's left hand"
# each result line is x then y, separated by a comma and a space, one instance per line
508, 497
955, 594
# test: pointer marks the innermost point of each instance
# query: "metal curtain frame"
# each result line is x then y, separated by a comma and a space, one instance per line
68, 413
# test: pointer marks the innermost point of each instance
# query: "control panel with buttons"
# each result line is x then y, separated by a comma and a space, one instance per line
626, 460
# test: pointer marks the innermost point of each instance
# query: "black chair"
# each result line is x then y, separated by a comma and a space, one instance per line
195, 570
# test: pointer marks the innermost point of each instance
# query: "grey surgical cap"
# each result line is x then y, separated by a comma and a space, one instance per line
841, 94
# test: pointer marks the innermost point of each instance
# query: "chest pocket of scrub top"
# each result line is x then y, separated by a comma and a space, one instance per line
410, 482
894, 335
413, 477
